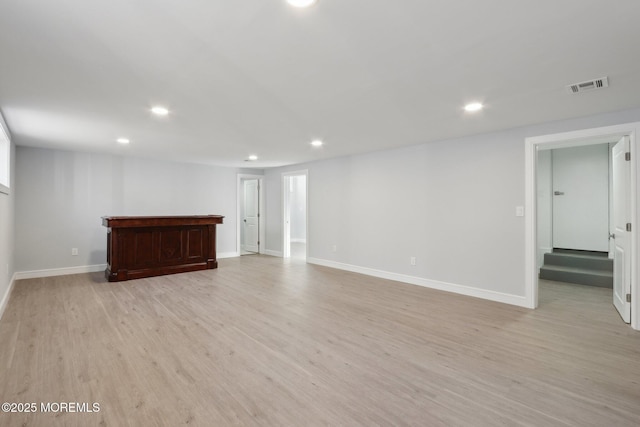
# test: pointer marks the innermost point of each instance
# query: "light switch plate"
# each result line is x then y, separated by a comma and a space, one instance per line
519, 210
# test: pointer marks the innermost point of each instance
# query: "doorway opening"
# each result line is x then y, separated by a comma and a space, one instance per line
617, 240
250, 222
294, 222
573, 218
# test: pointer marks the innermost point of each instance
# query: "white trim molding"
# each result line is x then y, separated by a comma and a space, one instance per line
7, 295
541, 252
35, 274
273, 253
575, 139
5, 152
427, 283
227, 255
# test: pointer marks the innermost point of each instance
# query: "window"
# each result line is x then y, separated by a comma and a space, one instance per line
5, 158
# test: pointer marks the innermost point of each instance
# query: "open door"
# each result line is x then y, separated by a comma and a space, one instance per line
621, 229
251, 216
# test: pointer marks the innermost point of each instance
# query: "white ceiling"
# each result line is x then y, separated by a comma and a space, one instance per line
259, 77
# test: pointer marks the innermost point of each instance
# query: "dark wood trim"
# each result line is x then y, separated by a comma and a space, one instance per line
160, 221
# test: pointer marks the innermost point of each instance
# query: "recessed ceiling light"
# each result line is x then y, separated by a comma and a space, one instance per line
159, 110
253, 157
123, 140
301, 3
473, 107
317, 143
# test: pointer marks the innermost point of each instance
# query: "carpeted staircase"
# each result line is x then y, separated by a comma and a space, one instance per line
583, 267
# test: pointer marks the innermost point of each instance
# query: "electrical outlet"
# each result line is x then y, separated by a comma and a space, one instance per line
74, 251
412, 260
334, 248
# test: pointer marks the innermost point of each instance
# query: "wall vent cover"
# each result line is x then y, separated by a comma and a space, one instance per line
589, 85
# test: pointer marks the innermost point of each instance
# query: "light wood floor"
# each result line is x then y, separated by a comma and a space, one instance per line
267, 342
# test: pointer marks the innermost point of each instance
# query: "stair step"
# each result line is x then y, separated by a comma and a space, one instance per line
578, 260
582, 276
597, 254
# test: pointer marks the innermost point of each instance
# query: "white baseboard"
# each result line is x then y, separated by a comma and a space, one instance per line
273, 253
59, 271
5, 297
541, 252
520, 301
227, 255
85, 269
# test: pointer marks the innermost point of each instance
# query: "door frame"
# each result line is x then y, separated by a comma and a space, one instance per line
573, 139
286, 247
239, 210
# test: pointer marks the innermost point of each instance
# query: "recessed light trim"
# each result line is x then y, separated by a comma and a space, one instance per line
301, 3
317, 143
473, 107
123, 140
159, 110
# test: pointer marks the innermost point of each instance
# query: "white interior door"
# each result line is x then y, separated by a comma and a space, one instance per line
251, 220
581, 198
622, 247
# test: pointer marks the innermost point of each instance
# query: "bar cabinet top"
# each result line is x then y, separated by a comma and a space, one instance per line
160, 221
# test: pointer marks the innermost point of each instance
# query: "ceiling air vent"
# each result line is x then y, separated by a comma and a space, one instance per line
589, 85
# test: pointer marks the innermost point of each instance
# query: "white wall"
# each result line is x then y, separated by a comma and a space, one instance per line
448, 204
451, 204
62, 196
